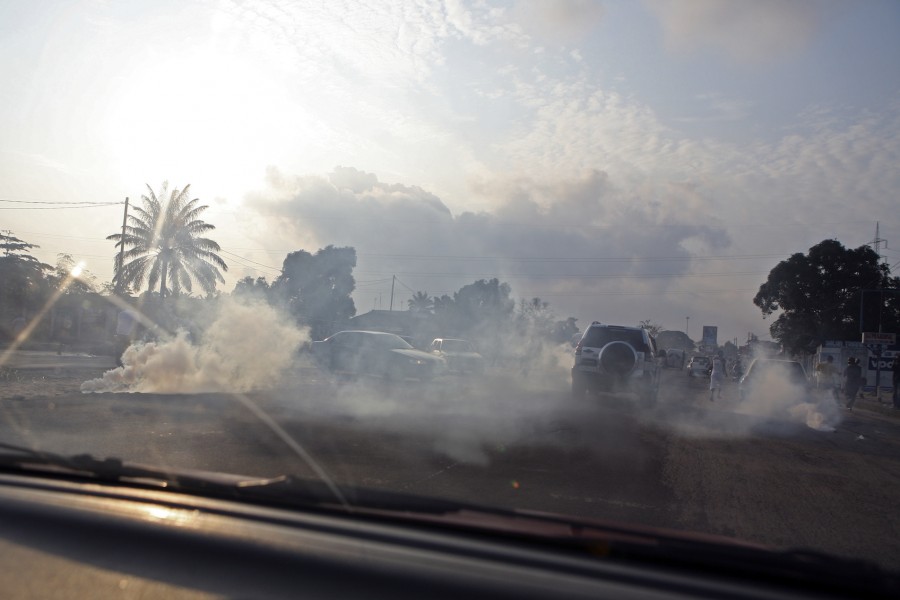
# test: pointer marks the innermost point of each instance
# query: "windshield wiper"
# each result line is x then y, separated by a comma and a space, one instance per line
803, 568
611, 541
106, 470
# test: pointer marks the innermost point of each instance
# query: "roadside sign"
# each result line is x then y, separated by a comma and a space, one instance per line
886, 339
710, 333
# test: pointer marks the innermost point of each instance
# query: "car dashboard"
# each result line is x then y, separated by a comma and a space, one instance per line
63, 538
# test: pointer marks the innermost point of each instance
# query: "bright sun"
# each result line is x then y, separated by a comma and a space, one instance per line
205, 117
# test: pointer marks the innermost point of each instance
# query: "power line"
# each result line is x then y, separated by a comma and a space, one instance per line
237, 256
406, 286
60, 202
104, 205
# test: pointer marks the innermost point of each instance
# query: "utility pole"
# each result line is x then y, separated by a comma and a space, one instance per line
880, 347
687, 325
393, 279
121, 259
878, 241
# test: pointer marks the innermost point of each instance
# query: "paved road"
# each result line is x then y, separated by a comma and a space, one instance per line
33, 360
757, 473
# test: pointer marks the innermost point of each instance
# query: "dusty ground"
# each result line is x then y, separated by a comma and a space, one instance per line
28, 383
26, 374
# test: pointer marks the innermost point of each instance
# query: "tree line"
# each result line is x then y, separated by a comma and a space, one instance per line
829, 293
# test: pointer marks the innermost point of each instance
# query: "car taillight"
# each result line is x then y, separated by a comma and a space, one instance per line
578, 348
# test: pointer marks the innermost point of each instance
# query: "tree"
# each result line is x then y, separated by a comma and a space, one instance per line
72, 278
316, 288
165, 245
563, 331
13, 246
652, 328
484, 304
421, 303
23, 283
818, 295
535, 316
250, 288
674, 339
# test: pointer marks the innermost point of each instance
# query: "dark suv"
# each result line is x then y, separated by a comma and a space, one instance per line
617, 359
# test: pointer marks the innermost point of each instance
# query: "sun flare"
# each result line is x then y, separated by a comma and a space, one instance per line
208, 116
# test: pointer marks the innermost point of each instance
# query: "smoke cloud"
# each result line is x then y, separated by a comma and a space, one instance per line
247, 347
775, 396
752, 32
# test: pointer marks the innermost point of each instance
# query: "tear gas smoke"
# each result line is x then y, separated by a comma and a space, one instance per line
247, 347
775, 395
465, 417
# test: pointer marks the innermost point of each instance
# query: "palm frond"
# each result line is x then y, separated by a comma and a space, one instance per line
164, 243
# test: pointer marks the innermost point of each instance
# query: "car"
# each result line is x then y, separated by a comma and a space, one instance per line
460, 355
699, 366
776, 379
616, 359
376, 353
674, 358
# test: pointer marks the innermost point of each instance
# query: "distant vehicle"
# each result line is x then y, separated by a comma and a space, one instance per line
776, 379
576, 337
375, 353
617, 359
459, 355
699, 366
674, 358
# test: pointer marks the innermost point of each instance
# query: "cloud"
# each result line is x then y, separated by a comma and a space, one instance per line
560, 21
750, 33
718, 108
567, 239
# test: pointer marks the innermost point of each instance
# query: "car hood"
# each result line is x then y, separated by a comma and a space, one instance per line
416, 354
470, 355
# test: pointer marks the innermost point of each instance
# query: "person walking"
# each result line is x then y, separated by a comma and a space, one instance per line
827, 376
852, 381
895, 381
716, 377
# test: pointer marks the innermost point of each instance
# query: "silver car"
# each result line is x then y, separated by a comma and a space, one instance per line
375, 353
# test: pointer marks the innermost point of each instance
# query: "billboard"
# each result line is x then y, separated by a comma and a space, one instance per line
710, 333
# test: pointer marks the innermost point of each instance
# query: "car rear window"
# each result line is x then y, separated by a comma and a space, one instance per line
598, 337
792, 370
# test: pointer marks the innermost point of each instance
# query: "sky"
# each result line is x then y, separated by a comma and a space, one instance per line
621, 160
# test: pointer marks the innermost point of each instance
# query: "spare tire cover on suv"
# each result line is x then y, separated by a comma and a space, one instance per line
617, 358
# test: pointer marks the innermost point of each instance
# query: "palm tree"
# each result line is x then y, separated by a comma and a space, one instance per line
421, 302
166, 247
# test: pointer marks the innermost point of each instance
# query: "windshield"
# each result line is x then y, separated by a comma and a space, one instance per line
195, 195
390, 342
